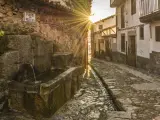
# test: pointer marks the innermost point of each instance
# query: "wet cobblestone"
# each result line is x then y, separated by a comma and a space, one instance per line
136, 91
90, 103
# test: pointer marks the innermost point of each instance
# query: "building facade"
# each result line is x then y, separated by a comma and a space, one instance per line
104, 42
138, 40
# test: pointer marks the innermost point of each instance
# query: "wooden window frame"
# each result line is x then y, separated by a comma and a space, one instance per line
133, 7
122, 17
100, 27
141, 32
157, 33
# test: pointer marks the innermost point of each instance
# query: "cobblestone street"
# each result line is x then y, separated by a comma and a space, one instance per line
126, 94
137, 93
90, 103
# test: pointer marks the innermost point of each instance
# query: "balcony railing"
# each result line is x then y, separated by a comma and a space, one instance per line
148, 7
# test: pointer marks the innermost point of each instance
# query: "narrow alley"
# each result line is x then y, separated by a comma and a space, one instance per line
79, 59
135, 93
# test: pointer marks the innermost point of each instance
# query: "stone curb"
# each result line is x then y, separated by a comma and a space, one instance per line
124, 107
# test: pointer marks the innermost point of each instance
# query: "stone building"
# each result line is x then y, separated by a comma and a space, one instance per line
138, 33
35, 30
104, 37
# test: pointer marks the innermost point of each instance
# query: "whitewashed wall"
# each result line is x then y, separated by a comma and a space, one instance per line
132, 22
111, 21
107, 23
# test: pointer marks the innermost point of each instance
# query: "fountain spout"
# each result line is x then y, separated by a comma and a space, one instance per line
34, 74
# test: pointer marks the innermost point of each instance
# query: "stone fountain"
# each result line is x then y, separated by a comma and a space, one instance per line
43, 87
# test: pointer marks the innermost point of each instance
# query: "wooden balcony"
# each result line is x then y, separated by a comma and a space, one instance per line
149, 10
115, 3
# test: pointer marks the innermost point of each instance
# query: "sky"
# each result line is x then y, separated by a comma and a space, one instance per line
101, 9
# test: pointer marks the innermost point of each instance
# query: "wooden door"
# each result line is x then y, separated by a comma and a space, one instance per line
131, 59
99, 47
107, 47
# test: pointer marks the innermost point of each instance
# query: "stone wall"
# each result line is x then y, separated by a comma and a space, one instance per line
155, 62
25, 50
151, 64
47, 97
143, 62
54, 26
35, 42
119, 57
19, 50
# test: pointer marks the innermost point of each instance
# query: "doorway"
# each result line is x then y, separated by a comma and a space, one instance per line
108, 48
131, 56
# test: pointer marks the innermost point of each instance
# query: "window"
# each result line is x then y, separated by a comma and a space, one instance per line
133, 7
157, 33
141, 30
100, 27
122, 17
123, 43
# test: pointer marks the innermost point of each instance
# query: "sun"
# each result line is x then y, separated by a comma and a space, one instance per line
92, 18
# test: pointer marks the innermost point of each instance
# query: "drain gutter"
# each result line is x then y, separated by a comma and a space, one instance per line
117, 104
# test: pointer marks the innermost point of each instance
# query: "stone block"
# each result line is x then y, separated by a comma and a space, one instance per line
42, 51
16, 100
2, 2
146, 86
142, 62
2, 15
118, 57
22, 44
33, 50
61, 60
120, 115
8, 64
116, 92
155, 62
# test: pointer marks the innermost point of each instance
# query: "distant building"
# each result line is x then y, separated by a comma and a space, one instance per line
104, 37
138, 33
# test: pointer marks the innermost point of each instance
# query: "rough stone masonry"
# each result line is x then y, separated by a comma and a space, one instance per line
34, 42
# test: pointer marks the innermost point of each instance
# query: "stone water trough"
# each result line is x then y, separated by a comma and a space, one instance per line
44, 94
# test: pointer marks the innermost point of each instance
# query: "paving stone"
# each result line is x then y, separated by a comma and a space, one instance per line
120, 115
139, 92
157, 118
146, 86
90, 104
